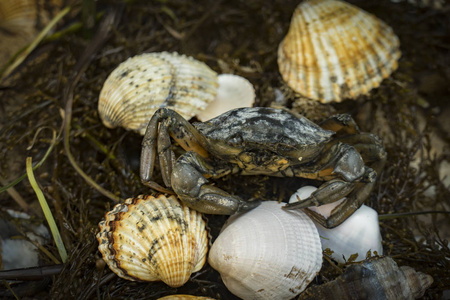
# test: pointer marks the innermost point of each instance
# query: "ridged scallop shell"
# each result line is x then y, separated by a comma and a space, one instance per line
334, 50
152, 239
21, 21
234, 92
143, 83
267, 253
376, 279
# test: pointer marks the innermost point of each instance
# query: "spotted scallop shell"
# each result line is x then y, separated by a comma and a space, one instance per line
267, 253
334, 50
153, 238
143, 83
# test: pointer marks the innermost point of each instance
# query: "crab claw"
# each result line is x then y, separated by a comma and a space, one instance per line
328, 192
193, 189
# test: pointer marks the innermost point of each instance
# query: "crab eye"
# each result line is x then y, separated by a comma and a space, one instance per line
236, 140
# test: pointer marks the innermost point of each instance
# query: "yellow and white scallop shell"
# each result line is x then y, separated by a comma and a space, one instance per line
153, 239
143, 83
21, 21
267, 253
334, 50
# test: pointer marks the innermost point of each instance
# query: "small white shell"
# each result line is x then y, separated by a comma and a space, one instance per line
146, 82
335, 50
359, 234
267, 253
234, 92
152, 239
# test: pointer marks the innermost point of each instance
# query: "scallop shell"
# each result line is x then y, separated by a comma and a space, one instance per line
21, 21
234, 92
152, 239
267, 253
359, 234
381, 278
146, 82
334, 50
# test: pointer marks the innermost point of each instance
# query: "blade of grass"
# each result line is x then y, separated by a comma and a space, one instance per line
47, 212
10, 289
19, 179
82, 64
21, 57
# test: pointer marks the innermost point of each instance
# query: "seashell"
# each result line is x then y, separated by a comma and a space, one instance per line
359, 234
21, 21
267, 253
146, 82
16, 252
381, 278
234, 92
334, 50
152, 239
184, 297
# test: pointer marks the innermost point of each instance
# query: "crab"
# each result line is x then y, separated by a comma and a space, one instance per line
266, 141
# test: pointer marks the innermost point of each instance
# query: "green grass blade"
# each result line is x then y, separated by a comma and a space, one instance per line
48, 214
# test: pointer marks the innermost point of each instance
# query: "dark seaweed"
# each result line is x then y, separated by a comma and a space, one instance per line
407, 111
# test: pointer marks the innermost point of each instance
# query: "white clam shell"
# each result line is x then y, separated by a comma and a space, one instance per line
267, 253
359, 234
334, 50
152, 239
146, 82
234, 92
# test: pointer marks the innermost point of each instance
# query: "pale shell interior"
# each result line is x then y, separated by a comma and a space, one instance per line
152, 239
334, 50
234, 92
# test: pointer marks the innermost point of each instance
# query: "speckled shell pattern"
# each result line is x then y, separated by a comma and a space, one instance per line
376, 278
153, 239
143, 83
267, 253
28, 15
334, 50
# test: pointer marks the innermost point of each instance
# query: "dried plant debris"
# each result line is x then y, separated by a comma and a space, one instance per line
408, 111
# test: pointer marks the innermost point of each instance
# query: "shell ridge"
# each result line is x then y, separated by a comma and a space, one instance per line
146, 238
334, 50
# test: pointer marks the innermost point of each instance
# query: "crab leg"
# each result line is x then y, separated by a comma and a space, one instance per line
174, 125
328, 192
345, 209
342, 124
165, 153
190, 184
370, 147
